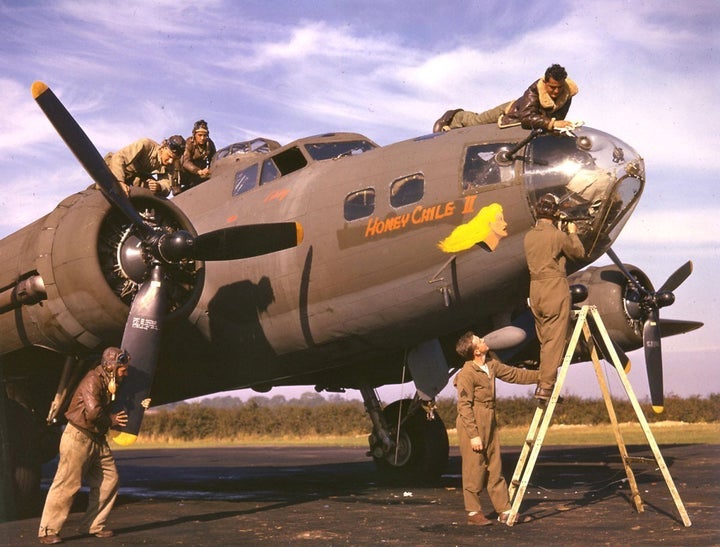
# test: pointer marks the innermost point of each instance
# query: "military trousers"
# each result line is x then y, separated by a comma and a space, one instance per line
81, 459
481, 470
550, 303
465, 118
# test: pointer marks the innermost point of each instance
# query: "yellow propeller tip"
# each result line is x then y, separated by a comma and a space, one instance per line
122, 438
38, 88
628, 367
658, 409
300, 232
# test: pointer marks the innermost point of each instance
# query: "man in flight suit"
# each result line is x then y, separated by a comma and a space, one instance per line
84, 451
477, 429
195, 162
547, 250
146, 163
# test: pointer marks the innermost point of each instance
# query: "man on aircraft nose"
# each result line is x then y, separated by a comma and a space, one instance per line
146, 163
544, 105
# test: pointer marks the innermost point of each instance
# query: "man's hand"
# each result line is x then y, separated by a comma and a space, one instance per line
121, 418
566, 127
145, 403
153, 185
476, 444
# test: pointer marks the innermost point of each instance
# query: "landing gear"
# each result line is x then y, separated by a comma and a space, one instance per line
25, 443
408, 443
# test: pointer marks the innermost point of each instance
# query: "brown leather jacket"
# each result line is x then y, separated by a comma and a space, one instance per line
89, 408
536, 109
195, 157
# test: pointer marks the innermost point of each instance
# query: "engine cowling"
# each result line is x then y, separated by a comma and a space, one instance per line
616, 301
83, 254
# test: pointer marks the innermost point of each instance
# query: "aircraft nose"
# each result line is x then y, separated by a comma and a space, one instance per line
596, 178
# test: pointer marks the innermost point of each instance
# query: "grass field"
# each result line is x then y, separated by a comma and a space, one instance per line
664, 433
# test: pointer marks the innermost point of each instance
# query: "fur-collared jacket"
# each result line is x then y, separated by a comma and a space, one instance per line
536, 109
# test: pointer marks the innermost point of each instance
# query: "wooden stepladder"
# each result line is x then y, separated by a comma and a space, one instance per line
585, 318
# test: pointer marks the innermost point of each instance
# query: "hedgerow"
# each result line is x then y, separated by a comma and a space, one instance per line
229, 418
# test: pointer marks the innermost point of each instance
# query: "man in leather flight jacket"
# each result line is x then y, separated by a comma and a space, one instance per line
84, 451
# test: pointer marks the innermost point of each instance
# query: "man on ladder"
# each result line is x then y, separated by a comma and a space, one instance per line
547, 250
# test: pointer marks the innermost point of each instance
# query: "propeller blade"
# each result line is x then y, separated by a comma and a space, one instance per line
86, 153
246, 241
677, 278
141, 339
671, 327
634, 282
653, 360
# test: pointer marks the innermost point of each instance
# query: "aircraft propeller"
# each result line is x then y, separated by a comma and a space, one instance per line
644, 305
142, 334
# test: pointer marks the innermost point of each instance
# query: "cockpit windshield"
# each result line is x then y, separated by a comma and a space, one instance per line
333, 150
596, 178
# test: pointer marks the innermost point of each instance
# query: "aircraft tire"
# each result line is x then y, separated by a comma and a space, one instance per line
423, 447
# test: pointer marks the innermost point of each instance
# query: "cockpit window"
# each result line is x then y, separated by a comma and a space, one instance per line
481, 168
245, 179
259, 145
407, 190
289, 160
333, 150
269, 171
360, 204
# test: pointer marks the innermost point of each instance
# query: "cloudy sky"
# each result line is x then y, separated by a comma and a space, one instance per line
648, 73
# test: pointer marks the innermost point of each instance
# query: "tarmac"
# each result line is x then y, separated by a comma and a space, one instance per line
332, 496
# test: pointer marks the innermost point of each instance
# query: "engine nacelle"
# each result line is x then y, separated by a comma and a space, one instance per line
78, 255
616, 301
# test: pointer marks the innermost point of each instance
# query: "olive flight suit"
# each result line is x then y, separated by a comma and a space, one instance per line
547, 250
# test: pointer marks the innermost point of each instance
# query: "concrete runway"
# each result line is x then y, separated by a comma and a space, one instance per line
331, 496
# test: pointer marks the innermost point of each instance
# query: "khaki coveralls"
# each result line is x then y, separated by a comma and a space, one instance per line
476, 418
547, 250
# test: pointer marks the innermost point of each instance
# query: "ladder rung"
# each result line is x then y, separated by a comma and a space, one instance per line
640, 459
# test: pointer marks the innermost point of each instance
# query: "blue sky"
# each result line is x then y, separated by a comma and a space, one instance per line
647, 71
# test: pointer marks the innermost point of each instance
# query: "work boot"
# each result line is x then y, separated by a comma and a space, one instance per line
443, 122
478, 519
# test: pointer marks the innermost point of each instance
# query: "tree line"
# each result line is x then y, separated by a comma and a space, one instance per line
229, 418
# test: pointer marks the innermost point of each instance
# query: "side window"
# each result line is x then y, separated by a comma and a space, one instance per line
360, 204
269, 171
245, 179
407, 190
481, 168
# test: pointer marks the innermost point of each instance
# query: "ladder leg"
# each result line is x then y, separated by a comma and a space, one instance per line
637, 500
527, 445
546, 415
643, 422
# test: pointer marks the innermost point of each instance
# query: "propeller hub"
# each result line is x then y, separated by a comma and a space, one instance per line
131, 258
664, 298
176, 246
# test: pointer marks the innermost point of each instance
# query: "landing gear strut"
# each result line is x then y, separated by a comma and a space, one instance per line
408, 442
